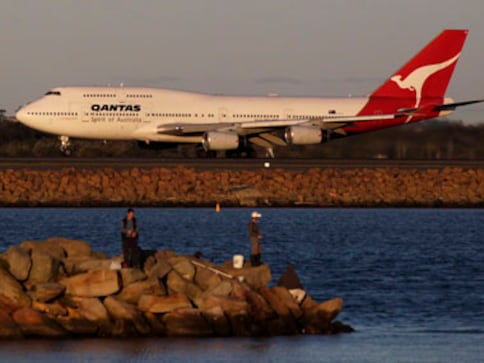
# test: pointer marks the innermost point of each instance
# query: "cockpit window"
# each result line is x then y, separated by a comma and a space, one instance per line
57, 93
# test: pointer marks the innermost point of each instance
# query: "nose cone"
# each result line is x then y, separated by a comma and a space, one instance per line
26, 116
21, 114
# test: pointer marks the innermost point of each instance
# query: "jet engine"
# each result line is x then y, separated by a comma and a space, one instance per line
217, 140
303, 135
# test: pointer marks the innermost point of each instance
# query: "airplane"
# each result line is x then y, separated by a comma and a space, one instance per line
414, 93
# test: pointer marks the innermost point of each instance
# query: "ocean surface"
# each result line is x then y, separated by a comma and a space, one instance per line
412, 280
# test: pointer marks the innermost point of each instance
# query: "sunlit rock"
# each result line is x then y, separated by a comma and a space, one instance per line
19, 262
45, 267
93, 284
46, 291
186, 322
123, 311
34, 323
12, 294
135, 290
177, 284
163, 304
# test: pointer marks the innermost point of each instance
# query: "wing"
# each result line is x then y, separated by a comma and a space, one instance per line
253, 127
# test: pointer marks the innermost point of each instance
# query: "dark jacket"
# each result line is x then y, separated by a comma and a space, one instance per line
124, 227
254, 236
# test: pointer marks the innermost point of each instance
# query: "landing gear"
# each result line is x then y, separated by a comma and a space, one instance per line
244, 152
65, 146
205, 154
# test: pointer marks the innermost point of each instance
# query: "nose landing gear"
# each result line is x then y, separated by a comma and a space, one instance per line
65, 146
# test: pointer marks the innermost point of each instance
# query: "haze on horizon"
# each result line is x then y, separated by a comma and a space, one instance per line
293, 48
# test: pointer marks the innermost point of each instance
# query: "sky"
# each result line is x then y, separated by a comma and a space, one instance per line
233, 47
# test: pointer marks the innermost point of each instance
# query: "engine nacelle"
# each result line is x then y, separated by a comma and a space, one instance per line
303, 135
217, 140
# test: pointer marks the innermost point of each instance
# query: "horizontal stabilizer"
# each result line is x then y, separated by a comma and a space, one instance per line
424, 110
453, 106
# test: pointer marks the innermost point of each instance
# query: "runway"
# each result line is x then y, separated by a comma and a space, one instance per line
231, 164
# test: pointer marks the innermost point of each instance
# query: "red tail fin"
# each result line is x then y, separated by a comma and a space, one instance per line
426, 75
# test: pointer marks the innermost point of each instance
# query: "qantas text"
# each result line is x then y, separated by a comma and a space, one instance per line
116, 108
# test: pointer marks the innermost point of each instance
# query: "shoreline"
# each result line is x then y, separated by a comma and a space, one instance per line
449, 187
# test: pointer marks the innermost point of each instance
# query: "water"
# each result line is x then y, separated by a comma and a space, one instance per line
412, 280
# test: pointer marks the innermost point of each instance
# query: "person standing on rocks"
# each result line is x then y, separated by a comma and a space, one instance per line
255, 237
129, 237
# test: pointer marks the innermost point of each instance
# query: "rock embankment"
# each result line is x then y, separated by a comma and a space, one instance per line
354, 187
60, 288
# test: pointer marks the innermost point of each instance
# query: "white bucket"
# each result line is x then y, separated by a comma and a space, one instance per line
238, 261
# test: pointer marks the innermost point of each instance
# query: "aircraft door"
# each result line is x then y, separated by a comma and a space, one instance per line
223, 114
287, 114
82, 111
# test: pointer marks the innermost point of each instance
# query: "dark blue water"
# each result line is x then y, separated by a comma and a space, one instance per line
412, 279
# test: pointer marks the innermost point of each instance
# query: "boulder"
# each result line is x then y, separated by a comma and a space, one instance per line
122, 328
12, 295
8, 327
259, 309
34, 323
206, 278
239, 289
130, 275
156, 325
186, 322
51, 310
72, 248
254, 276
317, 318
46, 291
331, 308
52, 249
217, 321
92, 309
275, 303
77, 325
224, 288
121, 310
92, 264
240, 324
230, 305
177, 284
159, 270
287, 299
284, 323
308, 304
92, 284
164, 255
45, 267
163, 304
183, 266
71, 264
19, 262
134, 291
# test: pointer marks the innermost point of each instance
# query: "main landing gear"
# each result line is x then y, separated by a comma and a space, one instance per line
65, 146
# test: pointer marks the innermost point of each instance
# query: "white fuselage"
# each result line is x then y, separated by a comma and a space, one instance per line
128, 113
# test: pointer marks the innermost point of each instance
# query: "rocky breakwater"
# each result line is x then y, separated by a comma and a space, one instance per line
351, 187
61, 288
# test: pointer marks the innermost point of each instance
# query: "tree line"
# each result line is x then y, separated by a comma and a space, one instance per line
435, 139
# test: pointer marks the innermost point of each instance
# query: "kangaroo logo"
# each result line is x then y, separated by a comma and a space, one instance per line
415, 81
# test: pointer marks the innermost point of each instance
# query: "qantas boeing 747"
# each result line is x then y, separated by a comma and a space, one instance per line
414, 93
